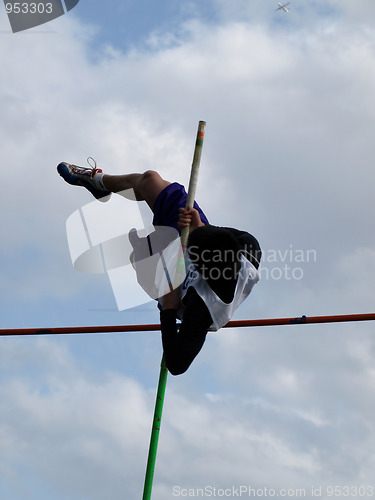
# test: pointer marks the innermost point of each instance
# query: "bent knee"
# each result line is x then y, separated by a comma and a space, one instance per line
149, 186
148, 182
150, 176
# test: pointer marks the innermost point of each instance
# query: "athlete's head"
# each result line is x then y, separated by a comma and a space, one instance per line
216, 254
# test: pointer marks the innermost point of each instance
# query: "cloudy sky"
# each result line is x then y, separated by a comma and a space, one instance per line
288, 155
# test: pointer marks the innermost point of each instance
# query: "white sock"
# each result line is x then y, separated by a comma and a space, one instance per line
98, 181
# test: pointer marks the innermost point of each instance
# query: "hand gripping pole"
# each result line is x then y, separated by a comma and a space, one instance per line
150, 469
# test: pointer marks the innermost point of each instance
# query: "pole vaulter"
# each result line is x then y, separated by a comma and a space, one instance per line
194, 299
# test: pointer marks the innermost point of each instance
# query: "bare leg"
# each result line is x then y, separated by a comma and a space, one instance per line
146, 186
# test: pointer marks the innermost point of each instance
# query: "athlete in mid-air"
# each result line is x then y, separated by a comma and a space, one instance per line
223, 262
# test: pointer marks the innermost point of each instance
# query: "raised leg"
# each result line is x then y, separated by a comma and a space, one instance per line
146, 186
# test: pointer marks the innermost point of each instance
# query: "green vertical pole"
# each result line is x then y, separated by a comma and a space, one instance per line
163, 369
155, 431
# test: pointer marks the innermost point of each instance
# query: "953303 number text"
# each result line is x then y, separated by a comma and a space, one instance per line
29, 8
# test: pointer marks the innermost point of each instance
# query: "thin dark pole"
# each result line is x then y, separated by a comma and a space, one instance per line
73, 330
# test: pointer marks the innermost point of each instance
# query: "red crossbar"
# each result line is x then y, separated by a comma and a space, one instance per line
302, 320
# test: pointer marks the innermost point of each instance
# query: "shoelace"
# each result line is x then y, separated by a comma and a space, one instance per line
92, 167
